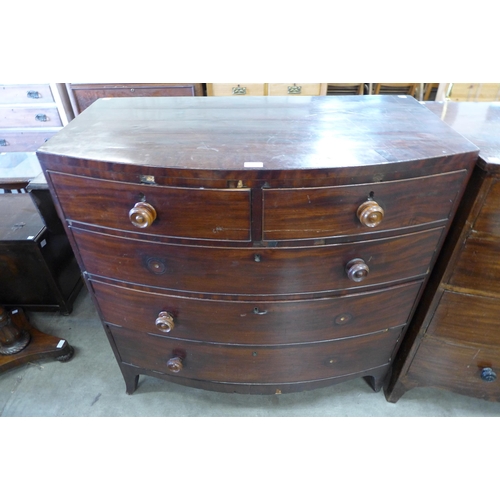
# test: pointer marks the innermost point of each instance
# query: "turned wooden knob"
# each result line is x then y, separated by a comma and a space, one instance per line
142, 215
357, 270
370, 213
175, 364
165, 322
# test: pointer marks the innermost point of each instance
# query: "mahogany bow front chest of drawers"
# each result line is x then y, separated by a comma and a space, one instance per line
264, 245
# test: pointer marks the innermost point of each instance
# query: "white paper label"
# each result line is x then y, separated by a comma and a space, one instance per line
43, 243
253, 164
61, 344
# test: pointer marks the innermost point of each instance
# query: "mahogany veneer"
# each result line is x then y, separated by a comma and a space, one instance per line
262, 245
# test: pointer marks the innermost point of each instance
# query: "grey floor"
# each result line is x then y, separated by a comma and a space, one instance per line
91, 385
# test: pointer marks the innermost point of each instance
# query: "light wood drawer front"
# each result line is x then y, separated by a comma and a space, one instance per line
488, 220
236, 89
265, 323
257, 364
29, 117
259, 270
24, 140
86, 96
180, 212
284, 89
478, 267
457, 368
332, 211
25, 94
467, 319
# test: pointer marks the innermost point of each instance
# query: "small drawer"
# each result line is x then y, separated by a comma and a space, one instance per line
13, 116
460, 368
467, 319
246, 322
301, 89
22, 140
257, 271
255, 364
346, 210
236, 89
25, 94
166, 211
85, 95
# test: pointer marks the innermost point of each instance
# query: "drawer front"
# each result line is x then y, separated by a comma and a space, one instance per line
457, 368
488, 221
236, 89
30, 117
180, 212
250, 271
24, 140
264, 323
25, 94
467, 319
332, 211
286, 89
86, 96
257, 364
478, 267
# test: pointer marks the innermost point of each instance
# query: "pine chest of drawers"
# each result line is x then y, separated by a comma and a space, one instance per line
264, 245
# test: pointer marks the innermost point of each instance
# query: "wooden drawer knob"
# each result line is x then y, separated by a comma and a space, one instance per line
142, 215
370, 213
165, 322
175, 365
488, 375
357, 270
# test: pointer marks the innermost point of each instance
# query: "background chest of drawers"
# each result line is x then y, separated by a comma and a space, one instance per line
262, 245
82, 95
266, 89
30, 114
453, 342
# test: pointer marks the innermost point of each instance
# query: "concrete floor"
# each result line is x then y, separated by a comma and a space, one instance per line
91, 385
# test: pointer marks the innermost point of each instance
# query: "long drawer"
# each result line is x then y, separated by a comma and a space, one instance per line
33, 116
257, 364
25, 94
456, 367
263, 323
180, 212
257, 270
453, 320
332, 211
25, 139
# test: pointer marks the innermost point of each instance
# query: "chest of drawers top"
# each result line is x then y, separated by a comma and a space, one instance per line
310, 137
479, 122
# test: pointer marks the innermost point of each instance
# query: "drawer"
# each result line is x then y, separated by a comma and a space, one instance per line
180, 212
304, 89
85, 95
457, 368
264, 323
25, 94
251, 271
43, 116
236, 89
488, 220
478, 266
467, 319
257, 364
332, 211
24, 139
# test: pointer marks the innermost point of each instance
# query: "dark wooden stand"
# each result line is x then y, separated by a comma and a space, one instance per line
20, 342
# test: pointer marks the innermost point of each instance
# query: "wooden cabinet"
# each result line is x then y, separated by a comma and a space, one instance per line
82, 95
264, 89
453, 341
30, 114
262, 245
